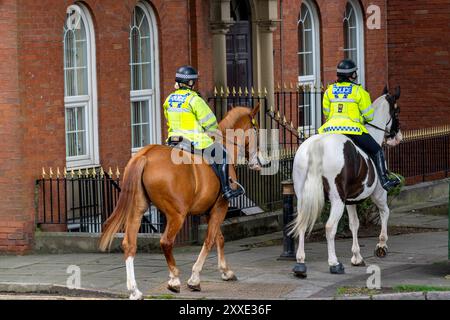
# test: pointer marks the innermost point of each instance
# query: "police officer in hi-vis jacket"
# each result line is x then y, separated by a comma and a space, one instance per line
347, 107
190, 117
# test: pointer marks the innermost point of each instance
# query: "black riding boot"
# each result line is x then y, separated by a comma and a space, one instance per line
380, 165
227, 191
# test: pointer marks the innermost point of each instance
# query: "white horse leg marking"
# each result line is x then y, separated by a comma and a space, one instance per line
227, 274
357, 259
131, 280
194, 280
301, 247
337, 209
174, 281
379, 197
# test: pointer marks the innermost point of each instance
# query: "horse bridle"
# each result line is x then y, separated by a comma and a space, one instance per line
394, 112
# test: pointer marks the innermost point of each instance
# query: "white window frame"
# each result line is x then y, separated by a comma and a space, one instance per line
89, 101
150, 95
360, 52
313, 81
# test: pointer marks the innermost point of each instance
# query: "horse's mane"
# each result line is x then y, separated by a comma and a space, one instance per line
233, 116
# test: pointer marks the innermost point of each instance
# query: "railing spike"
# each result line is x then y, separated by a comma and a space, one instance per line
80, 173
240, 92
58, 173
265, 92
215, 91
65, 172
221, 91
102, 172
234, 91
227, 91
291, 86
86, 173
72, 173
246, 92
279, 86
51, 173
94, 173
110, 172
284, 120
43, 173
285, 86
117, 173
253, 91
278, 116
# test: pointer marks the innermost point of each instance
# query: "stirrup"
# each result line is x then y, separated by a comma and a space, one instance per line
231, 193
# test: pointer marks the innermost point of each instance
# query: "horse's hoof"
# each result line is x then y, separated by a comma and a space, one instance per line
337, 269
136, 295
381, 252
232, 278
175, 289
300, 270
194, 288
361, 264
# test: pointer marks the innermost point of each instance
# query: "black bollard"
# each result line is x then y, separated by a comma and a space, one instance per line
288, 216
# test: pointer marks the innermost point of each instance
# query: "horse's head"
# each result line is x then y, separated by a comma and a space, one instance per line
241, 130
393, 133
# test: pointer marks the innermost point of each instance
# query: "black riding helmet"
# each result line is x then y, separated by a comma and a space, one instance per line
186, 75
347, 69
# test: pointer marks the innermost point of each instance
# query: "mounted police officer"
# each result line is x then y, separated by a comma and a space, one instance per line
347, 107
191, 120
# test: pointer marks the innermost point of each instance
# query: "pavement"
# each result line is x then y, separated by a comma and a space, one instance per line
413, 259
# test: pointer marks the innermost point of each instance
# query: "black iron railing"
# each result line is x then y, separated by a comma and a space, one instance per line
81, 201
423, 155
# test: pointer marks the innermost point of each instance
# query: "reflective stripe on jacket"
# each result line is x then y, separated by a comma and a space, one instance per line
347, 107
189, 116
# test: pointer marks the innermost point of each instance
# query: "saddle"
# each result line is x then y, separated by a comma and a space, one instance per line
184, 144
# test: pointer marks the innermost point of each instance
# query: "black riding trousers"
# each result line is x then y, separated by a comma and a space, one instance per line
366, 143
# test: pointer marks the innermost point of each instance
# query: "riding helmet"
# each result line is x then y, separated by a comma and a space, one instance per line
186, 74
346, 68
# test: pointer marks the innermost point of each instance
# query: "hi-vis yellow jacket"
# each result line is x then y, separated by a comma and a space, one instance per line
347, 107
189, 116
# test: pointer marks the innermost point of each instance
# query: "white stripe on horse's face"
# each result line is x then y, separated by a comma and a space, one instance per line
393, 142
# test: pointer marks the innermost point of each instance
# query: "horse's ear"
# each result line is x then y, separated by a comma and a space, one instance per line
385, 90
397, 93
255, 110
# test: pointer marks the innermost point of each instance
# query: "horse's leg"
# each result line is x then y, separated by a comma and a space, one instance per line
174, 223
337, 209
300, 267
357, 259
227, 273
379, 197
129, 245
217, 215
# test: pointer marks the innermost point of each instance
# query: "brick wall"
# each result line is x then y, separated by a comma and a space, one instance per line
419, 40
16, 214
331, 14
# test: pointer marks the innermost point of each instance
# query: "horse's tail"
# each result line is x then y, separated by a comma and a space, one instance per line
312, 199
130, 189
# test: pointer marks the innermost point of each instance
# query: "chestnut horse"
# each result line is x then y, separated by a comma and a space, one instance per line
178, 190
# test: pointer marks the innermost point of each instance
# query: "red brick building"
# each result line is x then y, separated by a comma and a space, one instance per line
81, 83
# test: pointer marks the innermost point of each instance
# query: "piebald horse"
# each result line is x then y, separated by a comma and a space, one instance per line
332, 166
178, 189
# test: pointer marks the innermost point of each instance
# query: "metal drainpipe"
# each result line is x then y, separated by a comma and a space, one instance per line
281, 43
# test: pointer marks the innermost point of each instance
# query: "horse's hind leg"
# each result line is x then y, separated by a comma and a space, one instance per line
379, 197
357, 259
227, 273
174, 223
337, 209
217, 216
129, 245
